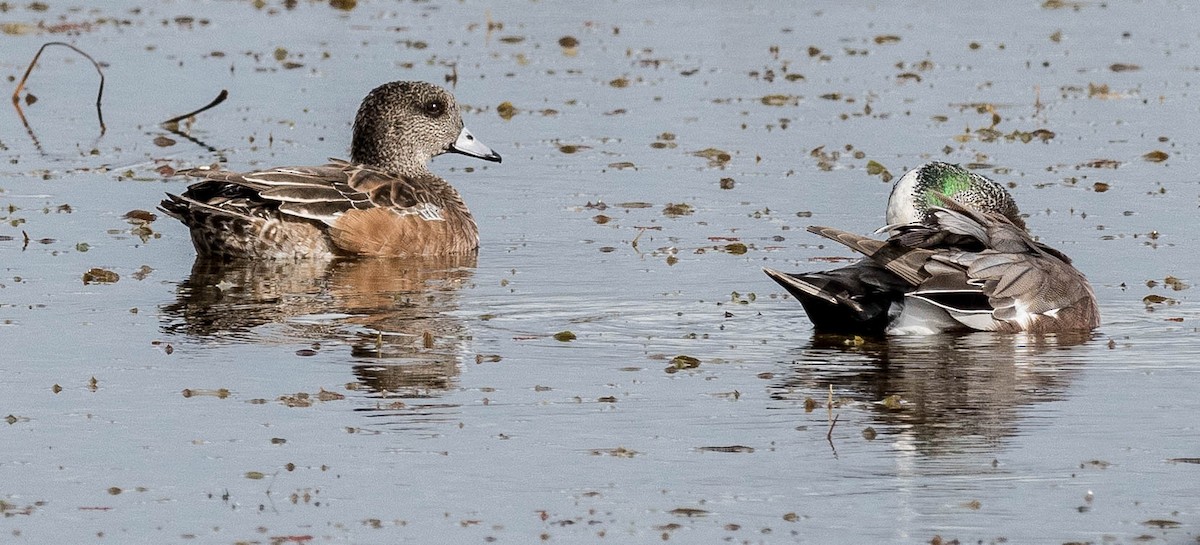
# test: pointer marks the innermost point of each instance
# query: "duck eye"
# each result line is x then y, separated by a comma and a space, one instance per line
435, 108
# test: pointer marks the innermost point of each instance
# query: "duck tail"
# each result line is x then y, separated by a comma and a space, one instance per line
856, 298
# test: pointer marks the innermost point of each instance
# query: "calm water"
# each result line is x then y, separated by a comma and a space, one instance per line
384, 401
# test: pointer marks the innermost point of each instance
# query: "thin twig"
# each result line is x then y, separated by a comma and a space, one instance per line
635, 239
224, 94
16, 96
1037, 100
829, 434
829, 405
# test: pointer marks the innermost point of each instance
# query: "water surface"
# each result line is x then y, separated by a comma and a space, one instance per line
378, 401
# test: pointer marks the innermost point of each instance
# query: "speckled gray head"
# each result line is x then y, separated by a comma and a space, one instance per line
401, 125
913, 194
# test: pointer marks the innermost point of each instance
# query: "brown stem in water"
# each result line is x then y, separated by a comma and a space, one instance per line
832, 423
16, 96
224, 94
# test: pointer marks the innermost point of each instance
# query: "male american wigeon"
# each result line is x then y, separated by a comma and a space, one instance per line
384, 202
958, 259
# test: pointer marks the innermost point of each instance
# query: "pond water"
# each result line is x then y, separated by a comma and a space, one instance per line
649, 172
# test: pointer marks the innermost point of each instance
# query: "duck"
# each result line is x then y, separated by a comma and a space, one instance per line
958, 258
383, 202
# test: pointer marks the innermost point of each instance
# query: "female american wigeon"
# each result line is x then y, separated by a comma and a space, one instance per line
958, 259
384, 202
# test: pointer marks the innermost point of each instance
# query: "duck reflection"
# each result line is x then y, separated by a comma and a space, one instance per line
959, 393
394, 314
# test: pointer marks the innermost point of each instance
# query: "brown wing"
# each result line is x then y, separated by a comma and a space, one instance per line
321, 193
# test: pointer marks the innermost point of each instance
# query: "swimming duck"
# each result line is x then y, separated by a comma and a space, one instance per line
383, 202
958, 258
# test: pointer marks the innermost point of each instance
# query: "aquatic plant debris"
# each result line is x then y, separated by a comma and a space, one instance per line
672, 210
506, 110
731, 449
1156, 156
716, 158
874, 168
21, 84
684, 362
100, 276
224, 94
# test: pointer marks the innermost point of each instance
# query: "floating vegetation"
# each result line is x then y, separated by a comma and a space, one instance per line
100, 276
716, 158
506, 110
304, 399
142, 272
731, 449
564, 336
1175, 283
688, 512
619, 452
735, 248
672, 210
780, 100
300, 399
569, 45
665, 140
989, 135
1153, 299
874, 168
1162, 523
1100, 163
138, 216
682, 362
326, 395
1156, 156
572, 148
219, 393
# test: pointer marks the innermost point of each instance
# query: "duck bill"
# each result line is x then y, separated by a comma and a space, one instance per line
468, 145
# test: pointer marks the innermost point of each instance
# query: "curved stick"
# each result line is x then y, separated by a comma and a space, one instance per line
224, 94
99, 94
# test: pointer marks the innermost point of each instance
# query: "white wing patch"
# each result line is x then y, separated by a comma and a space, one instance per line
427, 211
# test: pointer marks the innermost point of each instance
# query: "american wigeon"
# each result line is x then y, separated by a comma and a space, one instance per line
947, 266
384, 202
